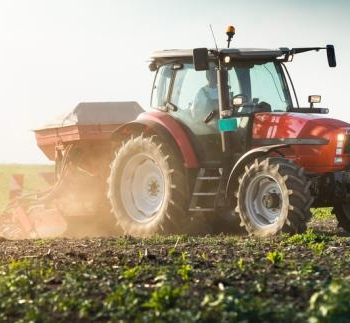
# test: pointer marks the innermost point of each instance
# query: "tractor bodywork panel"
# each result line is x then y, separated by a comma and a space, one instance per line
178, 134
312, 139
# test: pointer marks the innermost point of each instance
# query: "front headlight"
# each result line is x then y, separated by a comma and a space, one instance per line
340, 137
343, 143
340, 144
342, 147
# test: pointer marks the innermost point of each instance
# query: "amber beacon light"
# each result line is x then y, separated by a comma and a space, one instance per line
230, 31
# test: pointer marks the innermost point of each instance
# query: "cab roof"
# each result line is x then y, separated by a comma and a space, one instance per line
237, 53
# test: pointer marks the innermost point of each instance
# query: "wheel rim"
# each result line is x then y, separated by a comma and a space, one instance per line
264, 201
142, 188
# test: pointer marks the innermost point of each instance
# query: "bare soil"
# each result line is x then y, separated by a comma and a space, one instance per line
178, 278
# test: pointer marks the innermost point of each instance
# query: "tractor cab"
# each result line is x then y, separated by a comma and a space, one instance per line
215, 94
254, 82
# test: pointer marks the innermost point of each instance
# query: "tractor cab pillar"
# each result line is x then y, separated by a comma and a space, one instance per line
224, 103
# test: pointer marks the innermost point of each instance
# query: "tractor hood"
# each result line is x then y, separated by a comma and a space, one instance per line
313, 139
295, 125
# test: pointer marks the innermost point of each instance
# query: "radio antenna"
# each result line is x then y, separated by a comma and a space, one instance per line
216, 46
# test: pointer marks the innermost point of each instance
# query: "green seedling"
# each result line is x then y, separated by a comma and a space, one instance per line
275, 257
185, 271
240, 264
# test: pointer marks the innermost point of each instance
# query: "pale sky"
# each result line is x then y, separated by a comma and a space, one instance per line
57, 53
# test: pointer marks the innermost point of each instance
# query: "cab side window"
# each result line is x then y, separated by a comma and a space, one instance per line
161, 86
187, 84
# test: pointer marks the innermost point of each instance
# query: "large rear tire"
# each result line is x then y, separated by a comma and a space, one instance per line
274, 196
147, 188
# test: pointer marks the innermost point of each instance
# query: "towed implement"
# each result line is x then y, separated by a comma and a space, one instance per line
225, 143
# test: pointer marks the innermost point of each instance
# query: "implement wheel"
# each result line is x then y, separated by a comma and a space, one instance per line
147, 188
273, 196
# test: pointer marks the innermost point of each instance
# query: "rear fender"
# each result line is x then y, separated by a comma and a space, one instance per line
247, 158
177, 139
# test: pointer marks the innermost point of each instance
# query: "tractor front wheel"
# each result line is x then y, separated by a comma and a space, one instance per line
147, 188
273, 196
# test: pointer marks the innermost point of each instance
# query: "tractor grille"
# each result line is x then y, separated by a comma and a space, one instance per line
347, 143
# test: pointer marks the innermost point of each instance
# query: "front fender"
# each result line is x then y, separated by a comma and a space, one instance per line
247, 158
175, 138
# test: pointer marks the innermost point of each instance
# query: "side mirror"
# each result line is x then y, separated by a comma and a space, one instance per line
331, 56
237, 101
200, 59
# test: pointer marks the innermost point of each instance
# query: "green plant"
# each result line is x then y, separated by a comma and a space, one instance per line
308, 237
275, 257
322, 213
131, 273
172, 251
331, 304
240, 264
163, 297
185, 271
204, 256
318, 247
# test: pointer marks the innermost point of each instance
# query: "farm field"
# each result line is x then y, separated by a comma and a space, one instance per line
179, 278
213, 278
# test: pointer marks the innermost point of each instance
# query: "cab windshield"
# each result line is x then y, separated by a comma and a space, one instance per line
260, 82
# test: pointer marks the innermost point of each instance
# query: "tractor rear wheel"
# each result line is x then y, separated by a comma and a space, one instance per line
147, 188
273, 196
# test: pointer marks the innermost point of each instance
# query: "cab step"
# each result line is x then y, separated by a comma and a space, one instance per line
205, 190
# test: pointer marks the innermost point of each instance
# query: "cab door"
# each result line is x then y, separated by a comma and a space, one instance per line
193, 101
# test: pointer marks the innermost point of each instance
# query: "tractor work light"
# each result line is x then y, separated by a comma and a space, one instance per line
340, 137
227, 59
314, 98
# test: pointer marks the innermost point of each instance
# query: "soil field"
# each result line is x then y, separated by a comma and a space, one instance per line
179, 278
214, 278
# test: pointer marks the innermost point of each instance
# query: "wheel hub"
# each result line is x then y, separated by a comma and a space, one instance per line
271, 200
153, 188
263, 200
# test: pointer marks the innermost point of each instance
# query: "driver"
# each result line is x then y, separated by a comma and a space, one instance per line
206, 99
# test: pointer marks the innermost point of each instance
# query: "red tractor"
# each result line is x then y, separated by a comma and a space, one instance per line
225, 139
